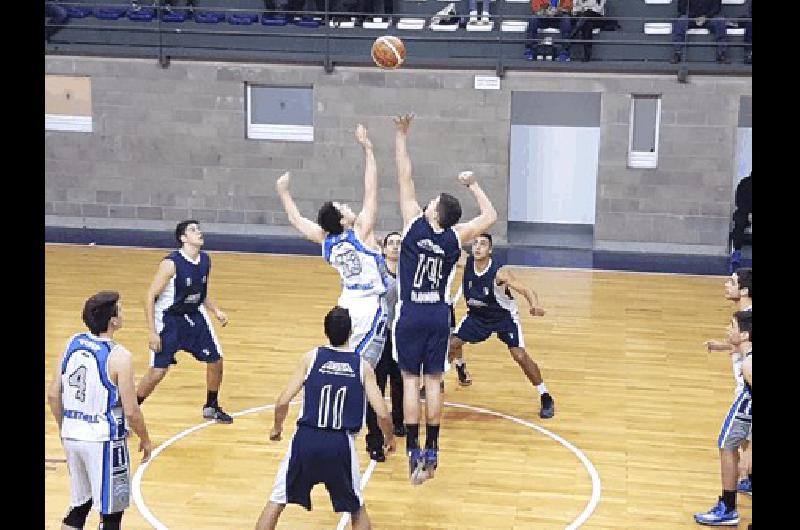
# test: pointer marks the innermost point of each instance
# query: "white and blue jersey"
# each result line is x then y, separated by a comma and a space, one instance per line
181, 319
425, 270
92, 407
362, 273
738, 422
490, 307
93, 430
322, 450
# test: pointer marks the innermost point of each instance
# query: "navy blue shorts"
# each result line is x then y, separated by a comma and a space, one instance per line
191, 332
473, 329
319, 456
421, 337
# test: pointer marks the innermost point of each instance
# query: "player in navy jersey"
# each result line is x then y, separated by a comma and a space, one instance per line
735, 428
349, 246
176, 311
335, 381
491, 308
92, 396
430, 248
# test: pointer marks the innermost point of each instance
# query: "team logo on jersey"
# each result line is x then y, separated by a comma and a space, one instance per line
188, 282
485, 291
337, 368
469, 285
476, 303
430, 246
205, 350
204, 278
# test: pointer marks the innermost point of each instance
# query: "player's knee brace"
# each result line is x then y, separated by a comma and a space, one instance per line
76, 517
111, 521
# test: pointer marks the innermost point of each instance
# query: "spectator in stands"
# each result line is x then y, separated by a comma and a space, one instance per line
742, 217
549, 14
748, 34
473, 12
58, 17
590, 13
699, 14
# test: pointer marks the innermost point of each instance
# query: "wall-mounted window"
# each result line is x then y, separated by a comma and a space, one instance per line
280, 113
645, 122
67, 103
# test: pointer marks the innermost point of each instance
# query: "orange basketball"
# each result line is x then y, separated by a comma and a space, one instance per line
388, 51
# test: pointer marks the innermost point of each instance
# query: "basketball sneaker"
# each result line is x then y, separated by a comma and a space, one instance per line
416, 466
431, 462
463, 375
745, 486
548, 409
217, 414
719, 515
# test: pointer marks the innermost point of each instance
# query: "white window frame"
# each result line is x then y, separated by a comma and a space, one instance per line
644, 159
267, 131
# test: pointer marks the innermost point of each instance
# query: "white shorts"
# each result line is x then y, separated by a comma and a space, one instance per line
369, 322
98, 471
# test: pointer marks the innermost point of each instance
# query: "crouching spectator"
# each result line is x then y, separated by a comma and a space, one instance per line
549, 14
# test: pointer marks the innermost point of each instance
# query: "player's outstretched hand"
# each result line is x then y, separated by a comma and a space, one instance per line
145, 447
537, 311
390, 444
362, 137
282, 183
222, 317
275, 435
466, 178
403, 123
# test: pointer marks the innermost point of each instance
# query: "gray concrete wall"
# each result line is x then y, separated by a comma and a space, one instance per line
170, 144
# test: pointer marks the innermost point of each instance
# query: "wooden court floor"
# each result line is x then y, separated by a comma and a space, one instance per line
622, 354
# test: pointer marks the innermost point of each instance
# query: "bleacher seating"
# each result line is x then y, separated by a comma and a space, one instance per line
248, 28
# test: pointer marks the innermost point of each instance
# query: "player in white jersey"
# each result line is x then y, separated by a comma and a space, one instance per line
93, 398
349, 245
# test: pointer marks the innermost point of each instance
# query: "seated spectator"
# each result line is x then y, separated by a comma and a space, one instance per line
699, 14
549, 14
58, 17
748, 35
473, 12
171, 3
742, 217
590, 13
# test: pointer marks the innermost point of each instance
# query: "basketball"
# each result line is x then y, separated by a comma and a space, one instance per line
388, 52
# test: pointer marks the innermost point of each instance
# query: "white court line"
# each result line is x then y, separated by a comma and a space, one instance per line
570, 269
582, 517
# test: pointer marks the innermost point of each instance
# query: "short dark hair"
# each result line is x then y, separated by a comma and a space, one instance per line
745, 276
487, 236
330, 218
98, 310
387, 236
449, 210
337, 326
180, 230
745, 321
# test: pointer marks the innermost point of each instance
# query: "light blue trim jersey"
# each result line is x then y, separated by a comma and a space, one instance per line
360, 268
92, 407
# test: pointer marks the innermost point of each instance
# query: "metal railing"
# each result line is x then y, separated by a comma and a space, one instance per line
94, 36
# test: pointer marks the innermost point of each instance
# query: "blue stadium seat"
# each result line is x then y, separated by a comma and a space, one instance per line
109, 13
242, 19
209, 17
79, 12
144, 14
273, 20
176, 16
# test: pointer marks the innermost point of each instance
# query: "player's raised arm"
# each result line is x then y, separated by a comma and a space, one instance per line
307, 227
480, 224
409, 207
292, 388
365, 222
